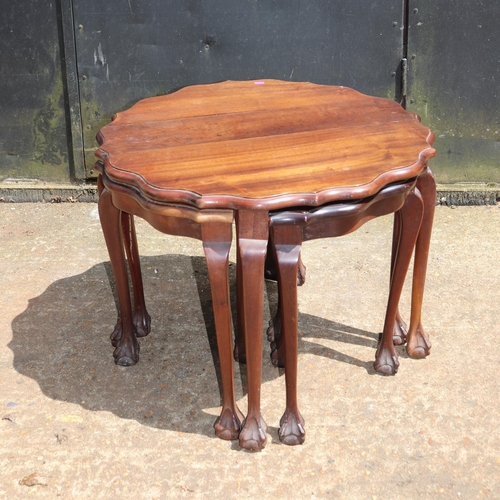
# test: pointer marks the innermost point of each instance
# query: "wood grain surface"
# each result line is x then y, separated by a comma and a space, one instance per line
263, 144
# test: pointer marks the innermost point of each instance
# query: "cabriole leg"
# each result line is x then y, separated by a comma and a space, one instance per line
239, 352
274, 333
141, 318
386, 362
126, 351
216, 244
274, 330
400, 329
418, 344
252, 234
288, 240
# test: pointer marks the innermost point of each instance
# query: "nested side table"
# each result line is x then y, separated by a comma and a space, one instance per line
117, 206
413, 205
259, 149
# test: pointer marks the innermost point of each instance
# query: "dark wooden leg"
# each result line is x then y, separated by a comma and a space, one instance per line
127, 348
216, 244
252, 231
410, 214
239, 352
274, 328
271, 269
400, 329
141, 318
274, 334
418, 345
271, 266
288, 241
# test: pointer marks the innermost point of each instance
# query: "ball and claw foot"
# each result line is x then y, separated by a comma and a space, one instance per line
117, 333
292, 431
418, 345
386, 361
126, 354
142, 326
253, 434
400, 332
228, 424
142, 323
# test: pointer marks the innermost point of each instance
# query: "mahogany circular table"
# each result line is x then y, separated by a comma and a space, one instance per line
294, 161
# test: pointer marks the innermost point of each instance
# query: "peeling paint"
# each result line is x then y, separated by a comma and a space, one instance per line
99, 56
100, 60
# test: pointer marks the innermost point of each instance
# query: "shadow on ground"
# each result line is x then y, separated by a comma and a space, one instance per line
62, 342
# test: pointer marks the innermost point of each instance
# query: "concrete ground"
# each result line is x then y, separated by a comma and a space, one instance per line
74, 425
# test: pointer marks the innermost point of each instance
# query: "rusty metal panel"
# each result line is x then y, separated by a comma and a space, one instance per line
131, 49
33, 128
454, 84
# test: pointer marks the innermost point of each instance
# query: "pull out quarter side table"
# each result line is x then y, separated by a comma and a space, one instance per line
255, 149
117, 206
413, 212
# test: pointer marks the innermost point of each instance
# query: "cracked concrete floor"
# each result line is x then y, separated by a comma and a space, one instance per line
74, 425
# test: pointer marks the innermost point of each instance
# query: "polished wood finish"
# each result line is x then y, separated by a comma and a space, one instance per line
265, 145
287, 241
184, 160
418, 344
252, 230
117, 206
127, 347
290, 228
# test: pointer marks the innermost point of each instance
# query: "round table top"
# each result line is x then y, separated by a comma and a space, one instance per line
264, 144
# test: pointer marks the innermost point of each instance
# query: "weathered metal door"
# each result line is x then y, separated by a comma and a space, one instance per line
33, 127
454, 84
129, 49
67, 65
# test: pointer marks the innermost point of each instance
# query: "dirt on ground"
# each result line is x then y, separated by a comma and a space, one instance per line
73, 425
